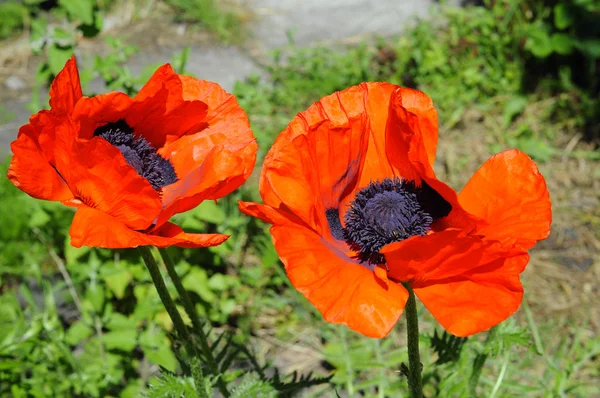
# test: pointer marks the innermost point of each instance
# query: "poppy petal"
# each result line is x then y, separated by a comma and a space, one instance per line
477, 300
101, 178
420, 104
405, 134
99, 110
30, 171
318, 159
341, 289
226, 124
221, 170
268, 214
376, 105
65, 90
438, 255
510, 194
94, 228
411, 139
162, 118
164, 78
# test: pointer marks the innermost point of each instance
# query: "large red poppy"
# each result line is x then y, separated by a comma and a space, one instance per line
357, 210
129, 164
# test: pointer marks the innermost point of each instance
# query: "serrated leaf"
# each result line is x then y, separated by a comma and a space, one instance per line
507, 335
252, 386
170, 386
447, 347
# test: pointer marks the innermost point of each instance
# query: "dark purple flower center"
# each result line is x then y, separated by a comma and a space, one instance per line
384, 212
139, 154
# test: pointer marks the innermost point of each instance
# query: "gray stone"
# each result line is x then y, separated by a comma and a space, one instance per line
14, 115
15, 83
313, 21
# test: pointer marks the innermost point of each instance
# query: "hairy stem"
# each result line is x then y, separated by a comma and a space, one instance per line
198, 378
415, 383
190, 309
169, 304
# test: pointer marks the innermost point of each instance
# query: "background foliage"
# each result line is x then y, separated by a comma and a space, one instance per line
81, 322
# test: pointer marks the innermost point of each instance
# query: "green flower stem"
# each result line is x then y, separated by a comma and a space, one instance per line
412, 331
189, 307
169, 304
165, 297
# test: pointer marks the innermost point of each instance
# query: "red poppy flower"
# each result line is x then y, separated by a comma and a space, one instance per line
129, 164
357, 210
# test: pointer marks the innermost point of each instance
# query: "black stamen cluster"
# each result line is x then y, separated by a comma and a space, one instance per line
384, 212
139, 154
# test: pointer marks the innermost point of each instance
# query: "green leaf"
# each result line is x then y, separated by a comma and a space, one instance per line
508, 334
162, 356
38, 34
169, 386
562, 43
13, 16
118, 282
590, 47
562, 17
38, 218
134, 389
447, 346
197, 281
77, 332
539, 43
209, 211
534, 147
252, 386
221, 282
95, 295
124, 340
513, 108
157, 348
118, 321
82, 10
57, 57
